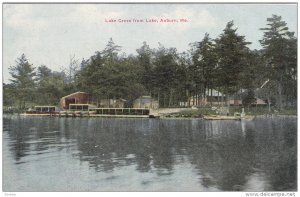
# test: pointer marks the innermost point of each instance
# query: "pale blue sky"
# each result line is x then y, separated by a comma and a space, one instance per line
50, 33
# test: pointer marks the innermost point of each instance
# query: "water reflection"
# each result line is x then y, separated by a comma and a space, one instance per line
258, 155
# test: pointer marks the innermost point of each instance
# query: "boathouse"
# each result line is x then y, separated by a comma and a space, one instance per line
146, 102
74, 98
111, 103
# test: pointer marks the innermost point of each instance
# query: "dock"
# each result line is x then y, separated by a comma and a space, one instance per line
98, 112
228, 118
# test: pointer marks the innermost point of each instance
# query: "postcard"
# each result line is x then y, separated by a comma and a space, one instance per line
148, 97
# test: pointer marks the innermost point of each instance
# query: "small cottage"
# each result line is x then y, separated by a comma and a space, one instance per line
146, 102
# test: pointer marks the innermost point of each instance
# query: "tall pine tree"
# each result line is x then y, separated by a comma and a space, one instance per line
280, 53
23, 81
231, 49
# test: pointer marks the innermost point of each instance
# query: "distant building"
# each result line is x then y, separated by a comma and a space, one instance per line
111, 103
74, 98
239, 102
213, 97
146, 102
259, 102
235, 102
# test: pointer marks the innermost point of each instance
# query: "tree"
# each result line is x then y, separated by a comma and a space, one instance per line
168, 76
106, 75
253, 75
231, 49
9, 95
50, 86
43, 72
204, 63
23, 81
111, 51
280, 52
145, 59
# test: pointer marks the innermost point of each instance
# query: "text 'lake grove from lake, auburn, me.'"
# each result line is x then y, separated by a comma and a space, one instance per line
150, 20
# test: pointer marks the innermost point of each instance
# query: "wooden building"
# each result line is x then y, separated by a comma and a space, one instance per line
111, 103
146, 102
74, 98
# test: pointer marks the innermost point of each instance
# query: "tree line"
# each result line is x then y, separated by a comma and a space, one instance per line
225, 64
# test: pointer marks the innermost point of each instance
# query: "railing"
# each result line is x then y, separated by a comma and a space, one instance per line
120, 111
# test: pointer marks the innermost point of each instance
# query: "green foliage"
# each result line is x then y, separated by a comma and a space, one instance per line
23, 82
231, 50
249, 98
105, 75
225, 64
50, 86
280, 51
145, 60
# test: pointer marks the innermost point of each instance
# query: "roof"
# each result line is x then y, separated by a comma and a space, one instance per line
113, 99
73, 94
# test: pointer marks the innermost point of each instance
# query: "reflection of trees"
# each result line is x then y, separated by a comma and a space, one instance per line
277, 151
162, 145
225, 153
32, 135
110, 143
223, 156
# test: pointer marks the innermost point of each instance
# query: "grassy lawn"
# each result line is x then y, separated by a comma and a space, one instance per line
190, 113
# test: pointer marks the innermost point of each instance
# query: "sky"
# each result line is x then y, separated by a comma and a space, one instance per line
50, 34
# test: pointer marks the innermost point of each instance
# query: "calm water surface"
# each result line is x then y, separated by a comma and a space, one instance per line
102, 154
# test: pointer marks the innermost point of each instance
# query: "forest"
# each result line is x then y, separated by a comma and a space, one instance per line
225, 64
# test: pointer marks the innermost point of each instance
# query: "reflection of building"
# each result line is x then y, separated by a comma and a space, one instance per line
111, 103
145, 102
74, 98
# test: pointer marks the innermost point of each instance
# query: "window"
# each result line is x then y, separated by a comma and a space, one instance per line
85, 108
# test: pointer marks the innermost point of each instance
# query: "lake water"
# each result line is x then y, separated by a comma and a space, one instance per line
112, 154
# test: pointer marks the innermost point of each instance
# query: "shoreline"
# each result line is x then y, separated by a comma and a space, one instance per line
171, 117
